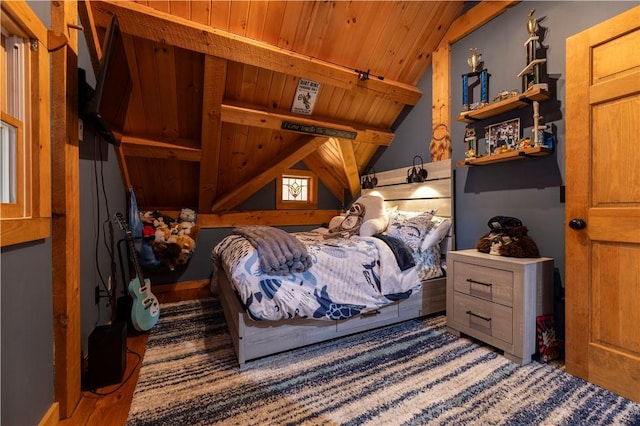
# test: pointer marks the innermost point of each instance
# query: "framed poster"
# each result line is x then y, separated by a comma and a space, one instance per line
502, 136
305, 97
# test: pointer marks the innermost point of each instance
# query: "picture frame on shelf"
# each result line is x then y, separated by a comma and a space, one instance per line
502, 137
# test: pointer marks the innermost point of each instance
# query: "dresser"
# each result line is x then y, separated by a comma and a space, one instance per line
496, 299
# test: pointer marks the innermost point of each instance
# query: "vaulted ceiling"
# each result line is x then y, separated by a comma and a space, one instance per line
214, 81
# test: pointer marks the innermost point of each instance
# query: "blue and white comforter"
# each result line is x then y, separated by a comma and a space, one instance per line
348, 277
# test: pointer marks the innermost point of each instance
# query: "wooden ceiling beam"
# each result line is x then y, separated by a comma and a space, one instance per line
214, 80
350, 166
266, 218
250, 116
90, 34
139, 147
151, 24
232, 199
332, 179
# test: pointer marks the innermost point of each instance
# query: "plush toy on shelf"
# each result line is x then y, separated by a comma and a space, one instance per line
172, 240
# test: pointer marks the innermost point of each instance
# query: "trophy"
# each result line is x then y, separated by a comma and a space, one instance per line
475, 60
476, 64
532, 74
471, 142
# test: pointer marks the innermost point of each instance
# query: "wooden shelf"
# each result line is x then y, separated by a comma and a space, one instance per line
500, 107
536, 151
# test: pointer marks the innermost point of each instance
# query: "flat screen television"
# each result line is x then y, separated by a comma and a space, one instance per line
107, 105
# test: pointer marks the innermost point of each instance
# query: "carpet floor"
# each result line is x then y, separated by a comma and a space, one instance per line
414, 373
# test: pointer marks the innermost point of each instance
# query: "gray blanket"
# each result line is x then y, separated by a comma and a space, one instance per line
280, 253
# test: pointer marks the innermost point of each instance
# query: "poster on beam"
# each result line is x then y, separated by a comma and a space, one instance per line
305, 97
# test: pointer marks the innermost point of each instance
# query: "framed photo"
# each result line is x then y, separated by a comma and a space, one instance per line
502, 136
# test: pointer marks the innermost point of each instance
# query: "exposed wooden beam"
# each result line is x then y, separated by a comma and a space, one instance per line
266, 218
333, 179
350, 166
135, 97
138, 147
90, 34
65, 209
214, 79
161, 27
476, 17
232, 199
250, 116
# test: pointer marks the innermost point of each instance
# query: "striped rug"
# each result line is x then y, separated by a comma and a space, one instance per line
414, 373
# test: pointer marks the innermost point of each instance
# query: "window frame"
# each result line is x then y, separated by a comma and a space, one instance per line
311, 203
30, 218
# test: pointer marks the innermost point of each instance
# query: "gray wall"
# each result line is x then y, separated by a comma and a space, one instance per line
527, 189
27, 332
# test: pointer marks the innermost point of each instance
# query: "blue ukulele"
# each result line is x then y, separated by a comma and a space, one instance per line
146, 309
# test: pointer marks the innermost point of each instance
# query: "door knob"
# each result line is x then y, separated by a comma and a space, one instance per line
577, 224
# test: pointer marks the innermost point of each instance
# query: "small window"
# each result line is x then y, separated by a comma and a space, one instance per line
25, 161
297, 189
10, 134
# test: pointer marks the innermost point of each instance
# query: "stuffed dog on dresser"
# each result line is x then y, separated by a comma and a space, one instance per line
508, 237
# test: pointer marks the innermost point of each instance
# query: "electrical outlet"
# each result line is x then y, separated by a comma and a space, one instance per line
97, 295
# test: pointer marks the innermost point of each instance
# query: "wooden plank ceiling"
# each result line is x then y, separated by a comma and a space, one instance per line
214, 80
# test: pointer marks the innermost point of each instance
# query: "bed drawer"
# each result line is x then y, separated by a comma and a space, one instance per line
480, 318
493, 284
381, 316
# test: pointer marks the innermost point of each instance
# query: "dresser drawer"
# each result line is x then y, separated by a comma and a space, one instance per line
495, 285
484, 317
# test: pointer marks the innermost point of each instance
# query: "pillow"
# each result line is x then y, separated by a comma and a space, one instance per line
437, 232
411, 229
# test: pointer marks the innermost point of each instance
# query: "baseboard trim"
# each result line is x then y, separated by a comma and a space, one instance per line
52, 416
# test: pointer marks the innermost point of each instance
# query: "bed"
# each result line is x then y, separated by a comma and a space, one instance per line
259, 328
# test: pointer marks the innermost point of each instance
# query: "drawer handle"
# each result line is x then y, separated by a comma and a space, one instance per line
469, 280
479, 316
370, 314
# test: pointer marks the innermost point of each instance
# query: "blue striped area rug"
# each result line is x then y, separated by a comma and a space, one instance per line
414, 373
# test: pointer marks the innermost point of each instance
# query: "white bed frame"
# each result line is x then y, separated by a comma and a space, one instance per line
255, 339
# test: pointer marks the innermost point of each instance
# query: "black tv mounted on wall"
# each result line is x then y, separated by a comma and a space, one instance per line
106, 105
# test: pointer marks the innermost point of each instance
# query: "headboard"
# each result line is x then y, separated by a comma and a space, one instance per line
435, 193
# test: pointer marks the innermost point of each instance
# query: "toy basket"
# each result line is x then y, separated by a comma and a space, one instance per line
162, 242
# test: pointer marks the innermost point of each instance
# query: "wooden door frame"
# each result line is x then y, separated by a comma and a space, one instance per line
65, 201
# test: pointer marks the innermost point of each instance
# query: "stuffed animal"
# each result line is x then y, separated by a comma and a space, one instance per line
186, 220
186, 243
159, 216
350, 225
167, 254
184, 228
162, 234
509, 242
147, 218
182, 260
148, 232
187, 215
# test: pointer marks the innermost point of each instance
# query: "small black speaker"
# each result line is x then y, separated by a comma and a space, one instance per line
107, 354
